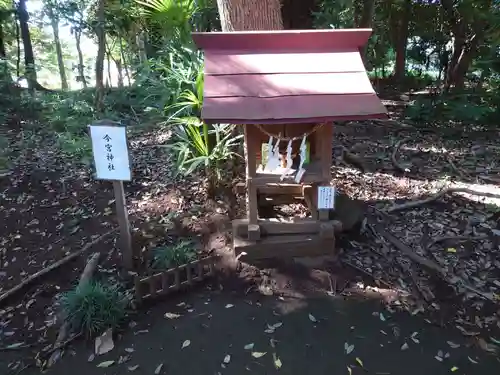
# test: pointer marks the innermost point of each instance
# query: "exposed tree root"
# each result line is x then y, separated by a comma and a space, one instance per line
408, 251
457, 239
394, 160
455, 169
490, 179
429, 265
350, 158
418, 203
395, 124
52, 267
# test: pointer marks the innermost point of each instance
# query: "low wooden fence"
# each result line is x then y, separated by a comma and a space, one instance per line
162, 283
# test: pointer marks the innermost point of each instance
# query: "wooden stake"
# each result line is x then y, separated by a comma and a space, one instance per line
31, 279
122, 215
86, 276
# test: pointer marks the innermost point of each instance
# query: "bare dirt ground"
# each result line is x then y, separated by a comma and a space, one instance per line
50, 208
218, 332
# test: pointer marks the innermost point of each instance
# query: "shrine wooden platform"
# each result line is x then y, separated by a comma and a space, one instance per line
285, 238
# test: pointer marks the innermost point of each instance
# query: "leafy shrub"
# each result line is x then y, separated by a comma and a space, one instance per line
77, 147
466, 108
4, 154
176, 255
68, 113
196, 146
94, 307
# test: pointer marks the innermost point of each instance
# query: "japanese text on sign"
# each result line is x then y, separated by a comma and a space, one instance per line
109, 146
326, 197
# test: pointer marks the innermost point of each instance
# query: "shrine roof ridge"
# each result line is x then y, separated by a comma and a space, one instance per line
283, 40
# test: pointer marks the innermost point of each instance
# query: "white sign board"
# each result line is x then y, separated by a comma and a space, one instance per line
109, 146
326, 197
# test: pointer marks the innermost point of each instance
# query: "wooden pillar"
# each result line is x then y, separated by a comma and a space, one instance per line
122, 215
251, 172
326, 137
325, 151
310, 193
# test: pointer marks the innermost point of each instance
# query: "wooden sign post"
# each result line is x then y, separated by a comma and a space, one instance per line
111, 158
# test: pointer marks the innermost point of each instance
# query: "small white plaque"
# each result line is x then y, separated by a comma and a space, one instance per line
109, 146
326, 197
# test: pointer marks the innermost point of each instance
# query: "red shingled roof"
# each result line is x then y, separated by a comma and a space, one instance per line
286, 76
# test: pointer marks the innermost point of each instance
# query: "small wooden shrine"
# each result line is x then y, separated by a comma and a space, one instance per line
287, 88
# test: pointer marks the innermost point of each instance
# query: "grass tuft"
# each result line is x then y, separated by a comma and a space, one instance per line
175, 255
94, 307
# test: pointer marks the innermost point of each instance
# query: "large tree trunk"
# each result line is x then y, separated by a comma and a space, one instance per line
401, 41
81, 66
60, 60
237, 15
99, 63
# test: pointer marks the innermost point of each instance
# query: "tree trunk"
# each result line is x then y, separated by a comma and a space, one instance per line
357, 12
109, 79
29, 57
3, 54
464, 48
366, 21
298, 14
118, 64
140, 40
18, 50
238, 15
367, 13
4, 70
458, 48
463, 52
60, 60
124, 60
402, 41
458, 71
99, 64
81, 66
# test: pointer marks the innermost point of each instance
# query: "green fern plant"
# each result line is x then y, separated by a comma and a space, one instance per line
171, 15
196, 143
192, 144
